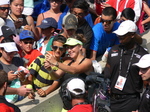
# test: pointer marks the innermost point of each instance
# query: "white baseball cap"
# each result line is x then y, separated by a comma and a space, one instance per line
9, 46
75, 84
4, 2
144, 62
125, 27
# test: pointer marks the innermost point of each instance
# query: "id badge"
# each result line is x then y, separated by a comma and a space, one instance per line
120, 83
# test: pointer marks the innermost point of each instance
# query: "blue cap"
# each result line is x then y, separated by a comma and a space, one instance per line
26, 34
48, 22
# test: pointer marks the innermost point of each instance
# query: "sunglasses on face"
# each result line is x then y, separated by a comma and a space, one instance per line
106, 21
78, 14
4, 8
28, 42
57, 47
70, 47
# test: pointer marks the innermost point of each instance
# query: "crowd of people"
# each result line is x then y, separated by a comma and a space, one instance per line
57, 48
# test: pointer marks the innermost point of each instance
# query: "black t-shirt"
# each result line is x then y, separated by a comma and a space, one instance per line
145, 101
134, 83
88, 33
3, 100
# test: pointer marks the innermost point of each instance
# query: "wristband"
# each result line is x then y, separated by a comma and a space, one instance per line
57, 64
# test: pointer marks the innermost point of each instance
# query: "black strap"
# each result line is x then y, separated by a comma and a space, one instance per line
82, 60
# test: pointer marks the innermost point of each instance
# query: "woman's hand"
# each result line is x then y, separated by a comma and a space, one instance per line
12, 76
50, 58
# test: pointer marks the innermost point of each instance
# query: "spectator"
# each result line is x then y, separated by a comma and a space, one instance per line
26, 44
53, 12
68, 10
127, 14
125, 83
40, 76
21, 21
48, 27
120, 5
103, 37
78, 65
4, 105
4, 10
141, 23
10, 65
6, 32
73, 94
80, 10
144, 72
69, 25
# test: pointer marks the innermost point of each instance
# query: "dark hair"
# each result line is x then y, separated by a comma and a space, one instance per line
59, 38
3, 78
110, 11
82, 4
128, 13
14, 0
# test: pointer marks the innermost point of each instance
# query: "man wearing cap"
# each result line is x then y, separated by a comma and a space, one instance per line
103, 37
126, 84
48, 27
26, 43
6, 32
144, 65
4, 10
10, 64
80, 10
69, 25
73, 94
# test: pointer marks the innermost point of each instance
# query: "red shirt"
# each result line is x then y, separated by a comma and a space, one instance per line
82, 108
5, 108
31, 56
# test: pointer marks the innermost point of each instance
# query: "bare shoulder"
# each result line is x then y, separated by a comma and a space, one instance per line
66, 62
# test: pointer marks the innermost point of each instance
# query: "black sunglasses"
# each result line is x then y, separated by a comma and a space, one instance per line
28, 42
70, 47
4, 8
57, 47
106, 21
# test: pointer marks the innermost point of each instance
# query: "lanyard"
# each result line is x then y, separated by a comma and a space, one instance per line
120, 66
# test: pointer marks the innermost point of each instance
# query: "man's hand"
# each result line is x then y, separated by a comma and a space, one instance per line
41, 92
23, 91
12, 76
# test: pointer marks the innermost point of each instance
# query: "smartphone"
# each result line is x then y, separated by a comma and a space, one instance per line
20, 19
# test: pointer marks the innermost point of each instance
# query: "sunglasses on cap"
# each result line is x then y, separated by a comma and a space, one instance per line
4, 8
106, 21
57, 47
28, 42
